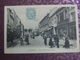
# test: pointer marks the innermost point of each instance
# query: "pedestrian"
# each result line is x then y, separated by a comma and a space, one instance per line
27, 38
45, 39
56, 39
33, 35
21, 40
50, 42
67, 43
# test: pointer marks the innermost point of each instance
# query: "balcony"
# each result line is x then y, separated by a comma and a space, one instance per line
63, 21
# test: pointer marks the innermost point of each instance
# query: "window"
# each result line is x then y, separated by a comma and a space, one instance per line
66, 13
61, 16
73, 16
58, 18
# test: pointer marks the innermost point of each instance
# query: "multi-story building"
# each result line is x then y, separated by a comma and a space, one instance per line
66, 22
14, 25
43, 25
72, 23
10, 18
53, 22
63, 21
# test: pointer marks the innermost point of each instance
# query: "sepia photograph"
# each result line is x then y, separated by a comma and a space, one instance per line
41, 29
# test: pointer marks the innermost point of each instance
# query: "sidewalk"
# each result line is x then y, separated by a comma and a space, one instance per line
73, 43
38, 44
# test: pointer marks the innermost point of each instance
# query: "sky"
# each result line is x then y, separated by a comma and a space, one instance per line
41, 12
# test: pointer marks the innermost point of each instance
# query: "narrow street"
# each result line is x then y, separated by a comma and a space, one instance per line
37, 44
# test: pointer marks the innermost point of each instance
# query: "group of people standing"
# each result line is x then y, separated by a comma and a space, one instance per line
25, 38
54, 41
51, 43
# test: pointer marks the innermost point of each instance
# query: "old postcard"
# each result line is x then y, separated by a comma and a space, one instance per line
41, 29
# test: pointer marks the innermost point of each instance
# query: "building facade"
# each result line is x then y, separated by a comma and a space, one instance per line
14, 26
63, 22
66, 22
44, 25
72, 23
